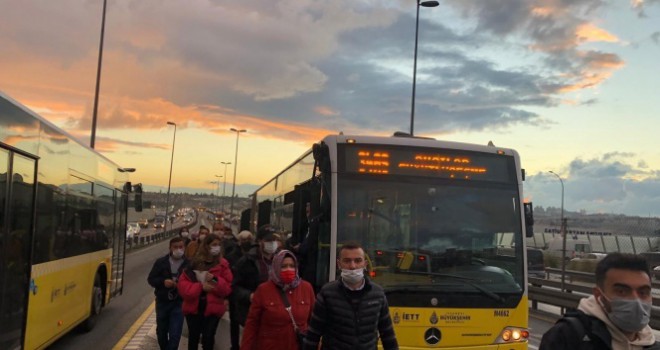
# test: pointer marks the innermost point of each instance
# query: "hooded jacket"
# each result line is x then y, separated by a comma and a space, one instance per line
604, 334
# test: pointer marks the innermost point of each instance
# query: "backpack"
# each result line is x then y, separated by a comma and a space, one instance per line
581, 324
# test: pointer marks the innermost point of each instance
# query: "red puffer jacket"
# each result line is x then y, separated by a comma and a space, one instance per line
191, 290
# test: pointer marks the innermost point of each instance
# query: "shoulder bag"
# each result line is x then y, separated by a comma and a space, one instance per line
299, 335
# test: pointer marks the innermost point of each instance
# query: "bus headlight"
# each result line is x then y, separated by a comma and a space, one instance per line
512, 335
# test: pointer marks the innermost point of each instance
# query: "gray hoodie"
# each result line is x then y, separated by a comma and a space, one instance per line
590, 306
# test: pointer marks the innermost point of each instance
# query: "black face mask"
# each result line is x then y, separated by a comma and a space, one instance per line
246, 245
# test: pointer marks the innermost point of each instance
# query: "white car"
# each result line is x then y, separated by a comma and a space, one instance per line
132, 230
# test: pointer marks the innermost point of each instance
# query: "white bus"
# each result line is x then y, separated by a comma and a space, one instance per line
429, 215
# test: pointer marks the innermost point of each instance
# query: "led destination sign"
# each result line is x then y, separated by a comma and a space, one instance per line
442, 163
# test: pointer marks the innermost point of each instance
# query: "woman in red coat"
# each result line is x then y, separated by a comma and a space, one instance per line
268, 325
204, 287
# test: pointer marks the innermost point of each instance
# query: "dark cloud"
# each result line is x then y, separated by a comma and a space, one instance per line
616, 182
656, 37
281, 60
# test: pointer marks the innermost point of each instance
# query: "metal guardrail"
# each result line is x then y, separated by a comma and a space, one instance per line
548, 292
141, 241
584, 276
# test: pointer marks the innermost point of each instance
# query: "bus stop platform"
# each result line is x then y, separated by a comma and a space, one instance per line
142, 335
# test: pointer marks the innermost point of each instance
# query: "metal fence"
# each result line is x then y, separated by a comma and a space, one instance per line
140, 241
601, 243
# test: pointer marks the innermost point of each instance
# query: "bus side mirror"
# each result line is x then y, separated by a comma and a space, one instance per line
529, 219
138, 197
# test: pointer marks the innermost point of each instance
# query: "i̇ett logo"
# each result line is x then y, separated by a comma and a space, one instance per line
432, 336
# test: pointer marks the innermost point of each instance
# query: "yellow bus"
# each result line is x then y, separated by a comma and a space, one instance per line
431, 216
63, 210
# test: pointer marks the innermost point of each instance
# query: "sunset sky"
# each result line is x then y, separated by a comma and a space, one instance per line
572, 85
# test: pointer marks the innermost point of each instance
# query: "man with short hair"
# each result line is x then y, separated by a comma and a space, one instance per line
163, 277
616, 316
352, 294
249, 272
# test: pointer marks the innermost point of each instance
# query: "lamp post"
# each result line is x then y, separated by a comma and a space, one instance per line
92, 141
412, 103
233, 186
224, 185
563, 233
169, 183
217, 190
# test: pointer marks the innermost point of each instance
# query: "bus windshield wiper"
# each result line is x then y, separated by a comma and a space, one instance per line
462, 279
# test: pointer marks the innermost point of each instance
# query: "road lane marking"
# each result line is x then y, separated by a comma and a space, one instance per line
134, 328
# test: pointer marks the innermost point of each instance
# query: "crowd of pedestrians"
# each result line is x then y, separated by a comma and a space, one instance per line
259, 281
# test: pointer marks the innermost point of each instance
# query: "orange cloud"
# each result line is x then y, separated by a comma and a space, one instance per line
325, 110
588, 32
543, 11
105, 144
597, 67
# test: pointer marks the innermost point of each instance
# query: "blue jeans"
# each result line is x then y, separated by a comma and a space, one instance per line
169, 322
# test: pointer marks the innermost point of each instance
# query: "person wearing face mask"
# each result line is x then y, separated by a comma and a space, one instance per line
164, 275
185, 234
191, 248
268, 314
616, 316
352, 311
245, 243
204, 286
251, 270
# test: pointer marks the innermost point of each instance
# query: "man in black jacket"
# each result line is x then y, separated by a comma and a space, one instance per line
163, 277
351, 312
615, 317
249, 272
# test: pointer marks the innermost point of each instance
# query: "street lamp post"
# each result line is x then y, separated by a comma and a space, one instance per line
217, 190
233, 186
412, 103
169, 183
563, 233
98, 79
224, 185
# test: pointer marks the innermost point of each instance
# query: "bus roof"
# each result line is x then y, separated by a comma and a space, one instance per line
416, 142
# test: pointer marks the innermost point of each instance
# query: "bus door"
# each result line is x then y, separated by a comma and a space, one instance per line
119, 244
17, 192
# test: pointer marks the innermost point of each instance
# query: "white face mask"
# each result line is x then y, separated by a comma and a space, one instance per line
352, 276
215, 250
270, 247
177, 254
201, 237
185, 234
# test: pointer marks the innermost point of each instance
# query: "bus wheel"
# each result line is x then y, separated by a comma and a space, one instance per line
96, 306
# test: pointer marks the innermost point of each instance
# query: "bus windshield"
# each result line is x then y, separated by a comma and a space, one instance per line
436, 235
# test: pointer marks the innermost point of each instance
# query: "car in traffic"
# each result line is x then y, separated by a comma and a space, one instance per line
187, 219
144, 223
132, 230
159, 222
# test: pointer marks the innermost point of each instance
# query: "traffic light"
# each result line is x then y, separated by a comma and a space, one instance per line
138, 197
